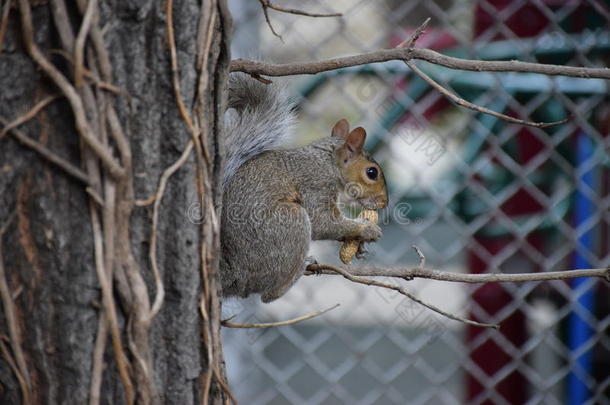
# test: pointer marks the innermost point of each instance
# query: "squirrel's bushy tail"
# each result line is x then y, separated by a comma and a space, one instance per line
259, 118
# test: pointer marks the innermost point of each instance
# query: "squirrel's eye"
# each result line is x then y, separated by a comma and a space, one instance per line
372, 173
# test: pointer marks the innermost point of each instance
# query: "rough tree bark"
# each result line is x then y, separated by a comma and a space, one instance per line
55, 314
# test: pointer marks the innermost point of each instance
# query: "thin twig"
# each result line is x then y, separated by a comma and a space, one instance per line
420, 254
267, 3
202, 89
28, 115
409, 273
109, 307
174, 63
266, 14
228, 324
205, 43
96, 197
223, 384
79, 44
206, 335
366, 281
50, 156
63, 25
23, 386
10, 316
4, 21
409, 42
98, 361
460, 101
145, 202
152, 252
260, 79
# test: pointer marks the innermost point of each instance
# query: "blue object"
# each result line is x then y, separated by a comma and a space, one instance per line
579, 331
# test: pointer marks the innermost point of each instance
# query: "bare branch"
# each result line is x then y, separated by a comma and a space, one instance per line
267, 3
228, 324
28, 115
428, 55
266, 14
79, 44
4, 22
460, 101
410, 42
405, 52
152, 253
409, 273
98, 361
366, 281
174, 63
110, 314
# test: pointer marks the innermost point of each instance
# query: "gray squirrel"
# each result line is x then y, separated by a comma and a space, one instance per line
277, 200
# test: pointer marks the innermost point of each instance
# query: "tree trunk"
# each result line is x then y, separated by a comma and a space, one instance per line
78, 293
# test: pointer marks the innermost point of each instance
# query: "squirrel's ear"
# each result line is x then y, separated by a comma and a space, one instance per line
352, 146
355, 139
341, 129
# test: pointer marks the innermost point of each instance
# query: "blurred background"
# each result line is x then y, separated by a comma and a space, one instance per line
474, 193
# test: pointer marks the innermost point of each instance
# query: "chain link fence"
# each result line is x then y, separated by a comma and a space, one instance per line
474, 193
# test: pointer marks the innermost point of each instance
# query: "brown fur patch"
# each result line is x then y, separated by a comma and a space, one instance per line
24, 226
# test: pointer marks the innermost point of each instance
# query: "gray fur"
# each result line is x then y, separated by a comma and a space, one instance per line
273, 206
260, 118
275, 200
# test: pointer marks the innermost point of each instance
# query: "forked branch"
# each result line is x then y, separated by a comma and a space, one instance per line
428, 55
407, 53
357, 274
410, 273
266, 4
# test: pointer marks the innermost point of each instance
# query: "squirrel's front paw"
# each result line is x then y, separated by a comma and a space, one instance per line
370, 232
362, 252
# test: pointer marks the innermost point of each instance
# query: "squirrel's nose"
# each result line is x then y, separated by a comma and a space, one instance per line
382, 202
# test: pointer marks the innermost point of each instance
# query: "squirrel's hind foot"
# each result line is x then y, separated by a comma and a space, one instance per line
311, 260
